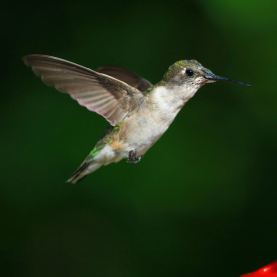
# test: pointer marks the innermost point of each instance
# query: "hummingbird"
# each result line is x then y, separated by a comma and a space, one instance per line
140, 112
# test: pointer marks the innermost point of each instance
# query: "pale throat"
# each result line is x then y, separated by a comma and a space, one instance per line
170, 99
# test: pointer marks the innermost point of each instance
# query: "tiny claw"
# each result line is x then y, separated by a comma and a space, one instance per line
133, 158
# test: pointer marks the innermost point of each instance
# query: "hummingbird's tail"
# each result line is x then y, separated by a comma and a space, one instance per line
87, 167
101, 154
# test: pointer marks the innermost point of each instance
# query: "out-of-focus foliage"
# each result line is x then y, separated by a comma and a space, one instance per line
202, 202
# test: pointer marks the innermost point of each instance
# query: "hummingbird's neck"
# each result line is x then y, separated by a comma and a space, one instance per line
170, 99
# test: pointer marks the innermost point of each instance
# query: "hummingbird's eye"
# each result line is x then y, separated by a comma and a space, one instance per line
189, 72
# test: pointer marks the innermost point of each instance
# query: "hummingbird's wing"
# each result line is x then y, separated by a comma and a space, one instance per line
100, 93
126, 76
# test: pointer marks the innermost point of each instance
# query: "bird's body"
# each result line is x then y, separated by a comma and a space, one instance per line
139, 111
139, 131
146, 125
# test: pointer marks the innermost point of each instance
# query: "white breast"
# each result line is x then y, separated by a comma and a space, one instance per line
155, 116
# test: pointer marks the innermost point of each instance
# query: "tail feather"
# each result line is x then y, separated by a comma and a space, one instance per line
95, 159
84, 169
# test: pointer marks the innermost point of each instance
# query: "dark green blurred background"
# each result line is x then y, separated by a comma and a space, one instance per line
201, 203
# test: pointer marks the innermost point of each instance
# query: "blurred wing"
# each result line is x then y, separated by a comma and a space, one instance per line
126, 76
100, 93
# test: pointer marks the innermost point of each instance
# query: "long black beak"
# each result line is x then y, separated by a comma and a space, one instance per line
211, 76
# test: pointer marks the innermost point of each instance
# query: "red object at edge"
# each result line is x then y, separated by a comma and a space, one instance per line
267, 271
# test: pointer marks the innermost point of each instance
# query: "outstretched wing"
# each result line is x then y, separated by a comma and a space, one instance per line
127, 76
100, 93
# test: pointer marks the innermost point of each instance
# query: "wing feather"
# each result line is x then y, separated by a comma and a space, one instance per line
126, 76
98, 92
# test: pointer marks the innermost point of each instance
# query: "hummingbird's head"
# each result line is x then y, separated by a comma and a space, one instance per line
193, 75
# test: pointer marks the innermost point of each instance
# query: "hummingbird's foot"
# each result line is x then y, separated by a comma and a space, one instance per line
133, 158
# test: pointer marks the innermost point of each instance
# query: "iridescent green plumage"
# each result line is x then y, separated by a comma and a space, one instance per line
178, 66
